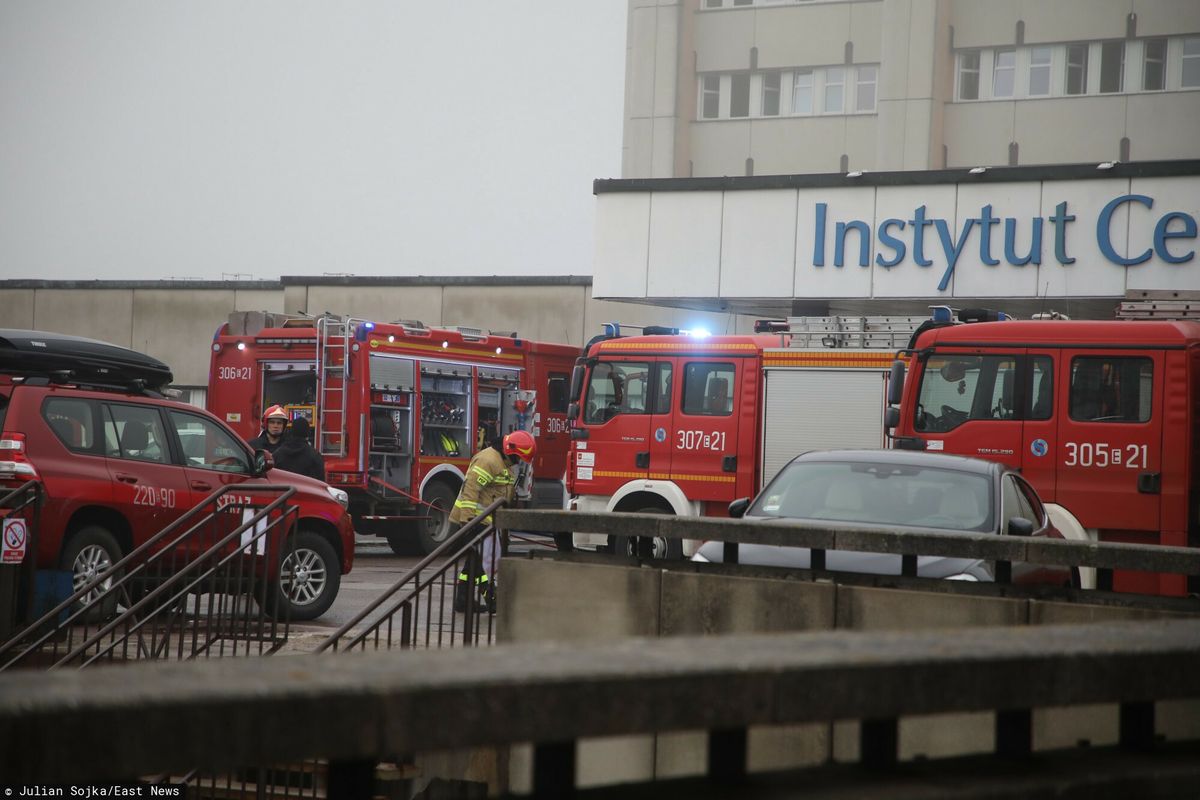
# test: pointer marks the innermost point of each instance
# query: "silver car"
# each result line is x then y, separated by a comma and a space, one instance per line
899, 489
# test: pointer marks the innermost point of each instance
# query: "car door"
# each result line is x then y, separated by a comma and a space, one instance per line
149, 488
214, 458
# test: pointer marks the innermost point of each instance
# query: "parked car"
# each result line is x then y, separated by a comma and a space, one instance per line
899, 489
119, 462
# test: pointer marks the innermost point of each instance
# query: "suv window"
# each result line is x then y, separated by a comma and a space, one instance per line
72, 421
207, 445
1014, 503
135, 433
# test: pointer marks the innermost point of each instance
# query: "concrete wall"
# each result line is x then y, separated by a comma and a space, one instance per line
559, 600
176, 324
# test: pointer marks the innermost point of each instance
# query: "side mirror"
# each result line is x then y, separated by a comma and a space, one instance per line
573, 411
577, 381
737, 509
263, 463
1019, 526
896, 383
891, 417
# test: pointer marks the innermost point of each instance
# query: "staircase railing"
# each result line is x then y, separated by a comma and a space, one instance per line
423, 608
185, 593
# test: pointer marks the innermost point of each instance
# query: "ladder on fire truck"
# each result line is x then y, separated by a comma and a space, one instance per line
1162, 305
333, 356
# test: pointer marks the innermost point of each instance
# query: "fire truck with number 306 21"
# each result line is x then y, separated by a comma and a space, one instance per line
680, 422
398, 409
1102, 417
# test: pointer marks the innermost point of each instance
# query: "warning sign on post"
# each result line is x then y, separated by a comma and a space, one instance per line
16, 536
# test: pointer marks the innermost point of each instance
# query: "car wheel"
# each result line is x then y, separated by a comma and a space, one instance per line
660, 548
434, 530
309, 578
91, 551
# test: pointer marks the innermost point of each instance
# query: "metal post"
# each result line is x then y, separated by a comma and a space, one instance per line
353, 780
553, 769
727, 754
1014, 732
878, 741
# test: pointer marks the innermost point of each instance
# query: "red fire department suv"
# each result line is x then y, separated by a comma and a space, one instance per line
119, 462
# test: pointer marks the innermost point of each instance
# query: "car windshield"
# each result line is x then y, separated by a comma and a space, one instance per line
878, 494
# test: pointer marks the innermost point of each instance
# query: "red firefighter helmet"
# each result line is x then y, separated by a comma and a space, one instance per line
275, 412
521, 445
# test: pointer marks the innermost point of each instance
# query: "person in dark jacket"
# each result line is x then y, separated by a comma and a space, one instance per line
295, 454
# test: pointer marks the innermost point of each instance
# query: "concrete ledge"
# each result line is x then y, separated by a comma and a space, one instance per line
153, 718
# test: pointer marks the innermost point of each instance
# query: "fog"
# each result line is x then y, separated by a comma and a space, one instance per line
166, 139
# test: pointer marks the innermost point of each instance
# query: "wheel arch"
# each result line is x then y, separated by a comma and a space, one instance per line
326, 530
112, 521
448, 474
665, 494
1071, 529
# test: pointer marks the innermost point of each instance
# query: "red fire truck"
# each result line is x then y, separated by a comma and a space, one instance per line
678, 423
397, 409
1102, 417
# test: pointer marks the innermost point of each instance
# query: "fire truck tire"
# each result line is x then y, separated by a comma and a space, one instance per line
660, 548
90, 551
314, 564
434, 530
404, 541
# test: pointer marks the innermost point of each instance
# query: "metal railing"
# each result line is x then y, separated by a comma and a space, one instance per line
423, 608
207, 585
356, 710
23, 503
1001, 551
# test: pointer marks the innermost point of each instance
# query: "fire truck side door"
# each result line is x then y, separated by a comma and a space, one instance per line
704, 433
967, 405
1039, 441
617, 449
1110, 438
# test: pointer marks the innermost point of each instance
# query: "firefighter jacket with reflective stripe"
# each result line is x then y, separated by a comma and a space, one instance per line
488, 479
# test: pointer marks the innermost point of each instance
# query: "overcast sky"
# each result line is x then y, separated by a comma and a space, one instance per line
161, 138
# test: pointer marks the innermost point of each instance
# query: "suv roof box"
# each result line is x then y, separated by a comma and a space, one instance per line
85, 360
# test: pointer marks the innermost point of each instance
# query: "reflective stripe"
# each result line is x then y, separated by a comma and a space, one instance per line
470, 505
464, 577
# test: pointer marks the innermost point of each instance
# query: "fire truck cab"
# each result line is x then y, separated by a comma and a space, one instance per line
397, 409
1102, 417
679, 422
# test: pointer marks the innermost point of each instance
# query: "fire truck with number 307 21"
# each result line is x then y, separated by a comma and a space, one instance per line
680, 422
1102, 417
397, 409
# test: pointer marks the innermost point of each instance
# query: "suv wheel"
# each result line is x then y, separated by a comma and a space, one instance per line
91, 551
309, 578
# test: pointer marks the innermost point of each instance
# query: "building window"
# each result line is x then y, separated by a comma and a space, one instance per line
1112, 67
710, 103
1077, 65
743, 2
1004, 73
1191, 64
968, 75
739, 96
835, 88
770, 94
1154, 67
1040, 59
802, 92
864, 94
712, 3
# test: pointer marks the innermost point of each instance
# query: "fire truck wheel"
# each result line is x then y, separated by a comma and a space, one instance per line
88, 553
405, 541
437, 527
309, 578
670, 549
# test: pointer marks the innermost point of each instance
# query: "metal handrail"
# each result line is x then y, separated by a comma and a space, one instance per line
413, 576
133, 565
179, 576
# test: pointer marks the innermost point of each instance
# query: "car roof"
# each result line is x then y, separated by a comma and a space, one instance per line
906, 458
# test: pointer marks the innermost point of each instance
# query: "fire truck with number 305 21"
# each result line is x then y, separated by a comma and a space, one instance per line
681, 422
398, 409
1102, 417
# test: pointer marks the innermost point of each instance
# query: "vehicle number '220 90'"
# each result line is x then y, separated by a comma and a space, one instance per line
1102, 454
155, 496
233, 373
700, 440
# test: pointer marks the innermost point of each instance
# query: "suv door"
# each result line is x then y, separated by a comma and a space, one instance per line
149, 488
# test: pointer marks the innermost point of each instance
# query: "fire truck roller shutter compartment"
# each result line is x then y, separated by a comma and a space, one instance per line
798, 413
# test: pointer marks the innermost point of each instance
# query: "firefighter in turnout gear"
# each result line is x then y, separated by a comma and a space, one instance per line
489, 478
275, 421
